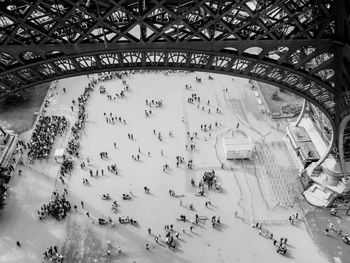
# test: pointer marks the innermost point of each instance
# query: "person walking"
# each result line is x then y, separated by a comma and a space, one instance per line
18, 244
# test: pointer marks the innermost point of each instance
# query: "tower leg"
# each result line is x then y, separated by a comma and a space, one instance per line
302, 113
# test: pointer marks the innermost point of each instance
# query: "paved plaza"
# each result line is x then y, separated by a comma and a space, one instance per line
225, 103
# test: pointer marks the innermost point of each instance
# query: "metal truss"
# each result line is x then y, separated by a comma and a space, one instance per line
293, 44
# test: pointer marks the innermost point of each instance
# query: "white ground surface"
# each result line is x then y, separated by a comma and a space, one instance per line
235, 241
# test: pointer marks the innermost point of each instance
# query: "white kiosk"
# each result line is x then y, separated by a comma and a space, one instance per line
59, 155
238, 148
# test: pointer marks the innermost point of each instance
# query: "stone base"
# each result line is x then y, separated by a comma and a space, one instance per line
335, 173
329, 181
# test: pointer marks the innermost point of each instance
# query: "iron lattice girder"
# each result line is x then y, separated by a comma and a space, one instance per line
185, 58
261, 19
39, 26
215, 49
295, 40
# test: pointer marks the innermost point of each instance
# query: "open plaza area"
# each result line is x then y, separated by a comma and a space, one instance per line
174, 131
136, 172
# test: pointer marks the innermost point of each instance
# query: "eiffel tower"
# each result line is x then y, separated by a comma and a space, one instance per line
299, 45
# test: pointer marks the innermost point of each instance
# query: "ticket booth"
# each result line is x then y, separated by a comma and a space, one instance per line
238, 148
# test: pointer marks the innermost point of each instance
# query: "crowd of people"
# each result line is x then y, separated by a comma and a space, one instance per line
51, 254
111, 75
43, 136
73, 144
345, 237
58, 207
281, 245
66, 166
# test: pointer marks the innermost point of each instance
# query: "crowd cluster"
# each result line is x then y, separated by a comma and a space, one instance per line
66, 166
73, 144
57, 208
52, 254
281, 245
339, 232
110, 75
47, 128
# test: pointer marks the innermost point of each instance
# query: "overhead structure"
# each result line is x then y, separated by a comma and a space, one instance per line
300, 45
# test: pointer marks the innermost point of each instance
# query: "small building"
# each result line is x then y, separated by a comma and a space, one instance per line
238, 148
302, 145
59, 153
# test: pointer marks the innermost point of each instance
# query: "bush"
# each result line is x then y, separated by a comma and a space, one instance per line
291, 108
275, 96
